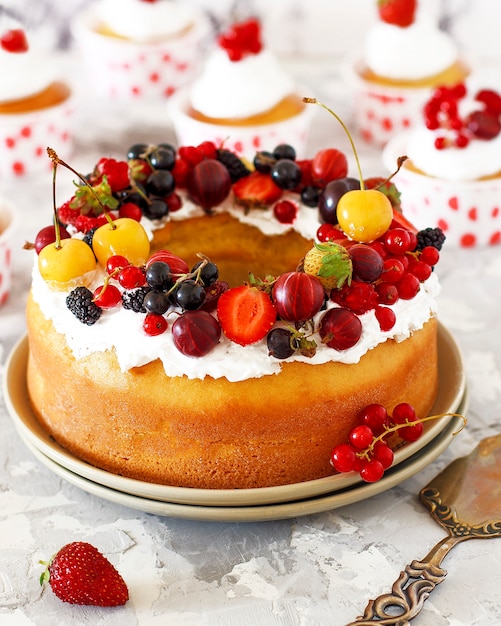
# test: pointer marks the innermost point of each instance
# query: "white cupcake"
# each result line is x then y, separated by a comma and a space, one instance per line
452, 178
134, 49
243, 98
36, 108
8, 223
406, 56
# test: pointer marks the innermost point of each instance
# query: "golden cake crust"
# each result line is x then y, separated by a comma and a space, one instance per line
278, 429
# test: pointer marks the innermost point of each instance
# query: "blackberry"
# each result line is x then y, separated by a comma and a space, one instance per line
133, 299
235, 166
79, 302
430, 237
89, 236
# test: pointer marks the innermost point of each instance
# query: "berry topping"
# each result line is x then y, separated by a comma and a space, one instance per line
81, 303
235, 166
79, 574
14, 41
256, 190
297, 296
331, 263
397, 12
196, 333
246, 314
208, 183
241, 39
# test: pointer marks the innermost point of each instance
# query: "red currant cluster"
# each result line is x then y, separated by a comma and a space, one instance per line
241, 39
442, 112
384, 271
368, 451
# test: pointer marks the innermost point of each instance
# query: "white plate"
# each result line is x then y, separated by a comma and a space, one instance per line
450, 394
265, 512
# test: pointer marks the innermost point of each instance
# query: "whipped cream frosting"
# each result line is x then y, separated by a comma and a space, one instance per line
144, 21
22, 74
227, 89
121, 329
480, 158
412, 53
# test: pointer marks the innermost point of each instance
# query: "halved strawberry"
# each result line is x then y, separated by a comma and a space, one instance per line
397, 12
256, 191
246, 314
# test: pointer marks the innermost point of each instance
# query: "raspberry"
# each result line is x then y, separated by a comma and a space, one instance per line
80, 303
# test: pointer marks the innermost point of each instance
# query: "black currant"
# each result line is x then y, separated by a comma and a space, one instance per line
208, 274
279, 342
156, 301
284, 151
160, 183
163, 157
263, 161
286, 174
156, 209
310, 195
137, 151
189, 295
158, 275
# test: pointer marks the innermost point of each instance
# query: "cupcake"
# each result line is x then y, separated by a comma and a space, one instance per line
452, 177
243, 98
36, 109
139, 49
7, 228
406, 56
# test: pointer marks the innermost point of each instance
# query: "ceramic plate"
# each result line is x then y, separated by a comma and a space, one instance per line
264, 512
450, 394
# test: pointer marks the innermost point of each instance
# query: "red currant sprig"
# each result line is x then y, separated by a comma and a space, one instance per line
241, 39
442, 111
368, 451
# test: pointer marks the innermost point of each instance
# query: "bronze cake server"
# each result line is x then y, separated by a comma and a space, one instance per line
465, 499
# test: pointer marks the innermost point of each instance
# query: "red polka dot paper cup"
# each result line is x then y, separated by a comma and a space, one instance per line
246, 140
24, 138
381, 111
124, 70
8, 224
469, 212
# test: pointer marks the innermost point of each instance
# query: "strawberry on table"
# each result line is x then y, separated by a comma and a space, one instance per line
79, 574
397, 12
246, 314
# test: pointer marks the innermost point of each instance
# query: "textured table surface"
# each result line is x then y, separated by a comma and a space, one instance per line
313, 570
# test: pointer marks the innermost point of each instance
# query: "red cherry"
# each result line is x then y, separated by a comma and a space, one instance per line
131, 277
297, 296
48, 235
117, 261
340, 328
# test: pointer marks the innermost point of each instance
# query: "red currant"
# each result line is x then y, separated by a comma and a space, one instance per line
393, 270
361, 436
411, 433
430, 255
285, 211
107, 296
154, 324
383, 453
117, 261
131, 276
372, 471
375, 417
402, 413
386, 317
408, 286
397, 241
343, 458
387, 293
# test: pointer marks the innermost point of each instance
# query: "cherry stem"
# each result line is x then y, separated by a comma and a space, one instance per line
57, 230
57, 161
365, 453
400, 161
348, 134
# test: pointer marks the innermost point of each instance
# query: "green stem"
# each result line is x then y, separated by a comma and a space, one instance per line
348, 134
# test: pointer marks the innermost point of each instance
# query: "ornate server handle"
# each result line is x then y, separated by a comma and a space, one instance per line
410, 590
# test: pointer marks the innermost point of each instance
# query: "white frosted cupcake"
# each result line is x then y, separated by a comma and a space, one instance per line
36, 109
452, 178
8, 223
243, 98
137, 49
406, 56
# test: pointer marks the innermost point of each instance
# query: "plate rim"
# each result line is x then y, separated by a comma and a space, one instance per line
266, 512
16, 374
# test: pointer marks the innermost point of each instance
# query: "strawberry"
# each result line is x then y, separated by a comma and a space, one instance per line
331, 263
397, 12
246, 314
256, 191
386, 187
79, 574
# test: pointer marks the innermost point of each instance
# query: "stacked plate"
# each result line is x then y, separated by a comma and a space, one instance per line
242, 504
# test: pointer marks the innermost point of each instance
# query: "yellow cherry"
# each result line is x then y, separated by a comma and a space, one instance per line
68, 263
364, 214
125, 237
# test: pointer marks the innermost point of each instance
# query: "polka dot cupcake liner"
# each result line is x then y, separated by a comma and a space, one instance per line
24, 139
245, 141
381, 112
8, 224
124, 70
469, 212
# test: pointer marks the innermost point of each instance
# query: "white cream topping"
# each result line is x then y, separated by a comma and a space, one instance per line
22, 74
121, 329
144, 21
239, 89
417, 51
